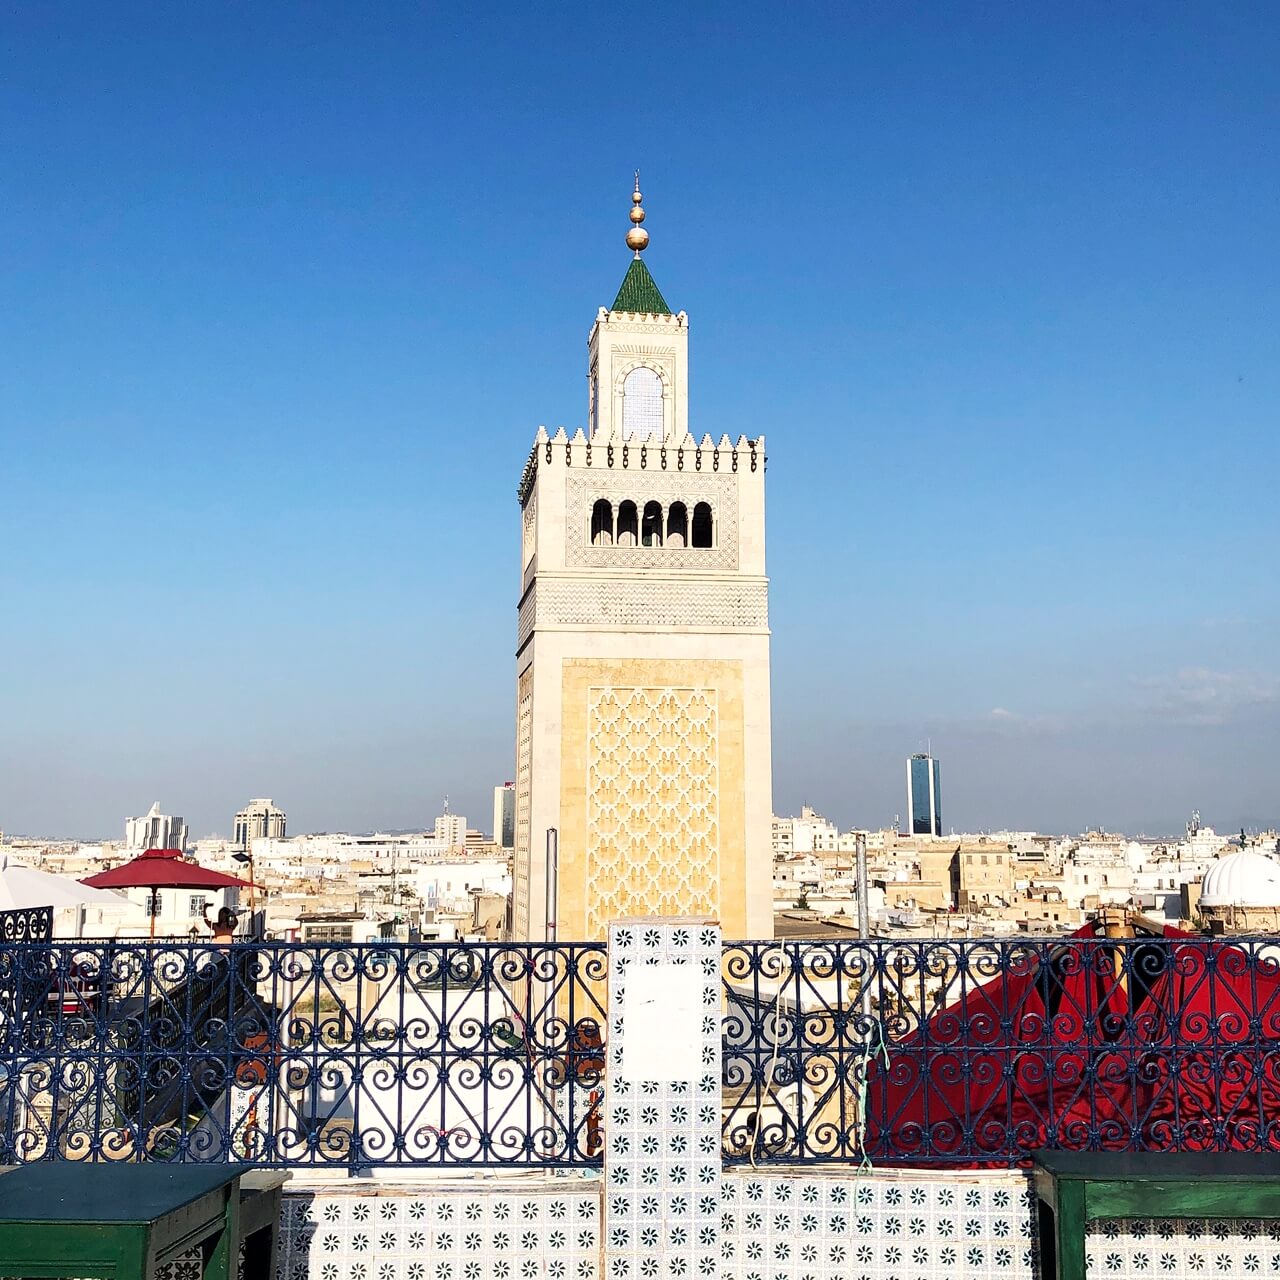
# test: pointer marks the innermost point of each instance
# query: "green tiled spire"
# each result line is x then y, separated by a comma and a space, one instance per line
639, 293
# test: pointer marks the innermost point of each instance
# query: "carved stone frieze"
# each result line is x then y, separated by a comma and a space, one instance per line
659, 604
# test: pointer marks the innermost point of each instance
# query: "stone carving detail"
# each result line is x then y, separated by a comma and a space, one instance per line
524, 777
653, 806
526, 619
617, 602
689, 487
529, 523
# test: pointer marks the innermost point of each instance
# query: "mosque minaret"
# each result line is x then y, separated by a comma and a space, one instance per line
642, 651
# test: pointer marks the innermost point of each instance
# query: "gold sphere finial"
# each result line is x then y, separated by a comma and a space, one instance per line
637, 237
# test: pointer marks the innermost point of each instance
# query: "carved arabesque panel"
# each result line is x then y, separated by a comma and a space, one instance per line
653, 803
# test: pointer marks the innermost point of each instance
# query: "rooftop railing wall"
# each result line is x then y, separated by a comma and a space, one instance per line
352, 1055
976, 1052
444, 1055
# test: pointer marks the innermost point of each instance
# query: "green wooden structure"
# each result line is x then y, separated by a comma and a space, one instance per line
1075, 1187
123, 1221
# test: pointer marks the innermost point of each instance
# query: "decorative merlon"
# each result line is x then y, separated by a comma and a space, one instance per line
651, 455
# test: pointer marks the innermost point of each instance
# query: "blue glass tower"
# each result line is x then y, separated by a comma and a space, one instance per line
924, 797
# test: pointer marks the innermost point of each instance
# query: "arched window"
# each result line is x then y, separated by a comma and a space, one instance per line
678, 525
651, 525
602, 523
702, 527
627, 524
642, 405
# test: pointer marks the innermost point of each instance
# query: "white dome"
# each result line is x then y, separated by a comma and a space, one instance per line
1242, 879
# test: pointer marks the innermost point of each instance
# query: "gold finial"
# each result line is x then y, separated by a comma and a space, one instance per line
637, 237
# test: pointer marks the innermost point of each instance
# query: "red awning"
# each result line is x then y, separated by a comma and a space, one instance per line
163, 869
1054, 1051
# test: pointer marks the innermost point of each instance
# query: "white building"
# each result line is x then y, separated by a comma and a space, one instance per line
258, 820
154, 831
1240, 893
448, 886
804, 834
451, 830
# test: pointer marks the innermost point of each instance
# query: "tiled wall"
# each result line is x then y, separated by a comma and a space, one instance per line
364, 1232
1182, 1249
795, 1226
771, 1226
662, 1135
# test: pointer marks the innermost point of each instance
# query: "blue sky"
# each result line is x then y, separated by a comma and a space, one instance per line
289, 289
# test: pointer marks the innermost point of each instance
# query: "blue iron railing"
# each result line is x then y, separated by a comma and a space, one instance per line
928, 1052
352, 1055
26, 924
978, 1051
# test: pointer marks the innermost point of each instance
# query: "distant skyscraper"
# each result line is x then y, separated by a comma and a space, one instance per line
504, 815
155, 831
924, 797
258, 820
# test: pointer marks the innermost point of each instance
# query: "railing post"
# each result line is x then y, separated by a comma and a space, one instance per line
662, 1101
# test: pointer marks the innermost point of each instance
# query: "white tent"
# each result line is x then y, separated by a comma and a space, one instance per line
22, 887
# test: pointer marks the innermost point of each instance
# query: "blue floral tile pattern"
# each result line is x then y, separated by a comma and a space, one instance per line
544, 1232
662, 1146
797, 1226
1181, 1249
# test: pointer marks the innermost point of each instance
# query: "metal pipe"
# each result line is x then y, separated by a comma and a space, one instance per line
864, 921
553, 876
860, 877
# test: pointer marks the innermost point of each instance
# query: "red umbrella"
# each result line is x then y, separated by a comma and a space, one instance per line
163, 869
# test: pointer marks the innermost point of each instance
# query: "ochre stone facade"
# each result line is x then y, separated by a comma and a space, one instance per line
652, 792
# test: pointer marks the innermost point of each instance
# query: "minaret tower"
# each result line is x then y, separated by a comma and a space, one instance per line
642, 650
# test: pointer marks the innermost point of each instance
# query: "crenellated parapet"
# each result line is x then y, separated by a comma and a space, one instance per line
725, 455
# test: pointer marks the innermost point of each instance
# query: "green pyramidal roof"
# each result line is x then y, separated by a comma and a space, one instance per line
639, 293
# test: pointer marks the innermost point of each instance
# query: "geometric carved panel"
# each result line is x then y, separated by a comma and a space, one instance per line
653, 803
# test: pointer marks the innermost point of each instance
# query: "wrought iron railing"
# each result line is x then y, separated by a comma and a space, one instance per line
979, 1051
484, 1054
26, 924
355, 1055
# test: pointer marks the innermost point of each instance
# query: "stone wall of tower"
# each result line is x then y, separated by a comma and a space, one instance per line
620, 343
643, 689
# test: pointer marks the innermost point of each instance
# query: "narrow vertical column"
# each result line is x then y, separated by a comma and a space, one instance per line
662, 1109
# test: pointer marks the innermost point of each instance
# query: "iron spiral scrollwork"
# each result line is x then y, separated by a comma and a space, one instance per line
922, 1052
26, 924
356, 1055
977, 1051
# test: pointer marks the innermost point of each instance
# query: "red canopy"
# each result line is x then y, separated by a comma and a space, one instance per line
1210, 1084
163, 869
1057, 1052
